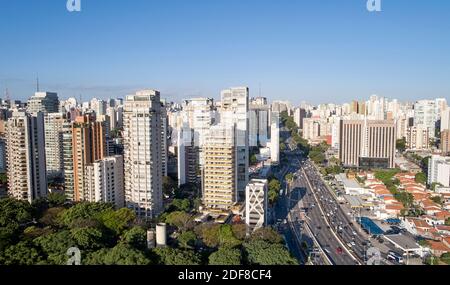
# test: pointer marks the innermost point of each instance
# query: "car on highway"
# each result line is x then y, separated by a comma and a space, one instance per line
339, 250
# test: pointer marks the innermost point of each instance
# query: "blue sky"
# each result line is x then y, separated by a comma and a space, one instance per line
298, 50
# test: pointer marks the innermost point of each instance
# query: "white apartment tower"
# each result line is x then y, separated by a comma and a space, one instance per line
425, 114
25, 153
234, 111
142, 153
105, 179
256, 204
53, 124
439, 170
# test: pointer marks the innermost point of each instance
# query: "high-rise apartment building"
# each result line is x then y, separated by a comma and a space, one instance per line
445, 142
220, 171
25, 154
234, 111
88, 146
425, 114
105, 182
142, 153
69, 183
439, 170
259, 112
275, 137
299, 116
445, 119
418, 138
256, 204
367, 143
53, 125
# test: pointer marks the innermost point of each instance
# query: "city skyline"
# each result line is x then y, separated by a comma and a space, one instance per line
396, 53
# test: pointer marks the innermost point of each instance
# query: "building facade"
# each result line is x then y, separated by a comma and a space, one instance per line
25, 155
142, 153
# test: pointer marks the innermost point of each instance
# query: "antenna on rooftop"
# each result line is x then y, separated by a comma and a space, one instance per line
37, 83
7, 95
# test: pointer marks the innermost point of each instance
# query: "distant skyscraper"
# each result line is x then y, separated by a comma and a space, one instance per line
142, 153
26, 156
256, 204
219, 171
234, 111
45, 102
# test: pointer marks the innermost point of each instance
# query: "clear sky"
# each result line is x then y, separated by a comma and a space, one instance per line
298, 50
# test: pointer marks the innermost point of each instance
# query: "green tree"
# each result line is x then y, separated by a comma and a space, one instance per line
401, 145
421, 178
446, 258
187, 239
55, 245
181, 220
274, 189
447, 222
121, 254
260, 252
437, 200
183, 205
22, 253
267, 234
135, 237
289, 177
84, 211
88, 238
174, 256
225, 256
117, 221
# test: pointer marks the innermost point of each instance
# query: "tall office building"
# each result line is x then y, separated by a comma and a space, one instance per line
234, 111
259, 122
53, 125
188, 157
45, 102
105, 182
418, 138
88, 146
256, 204
439, 170
142, 153
367, 143
220, 171
445, 142
25, 154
